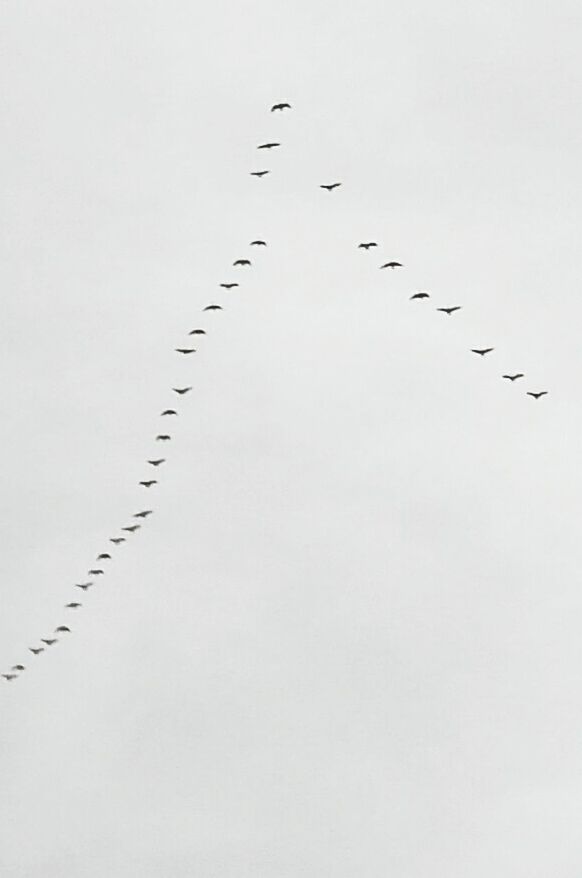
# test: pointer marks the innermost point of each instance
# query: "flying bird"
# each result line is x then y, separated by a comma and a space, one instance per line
62, 629
268, 145
84, 585
330, 186
365, 245
514, 377
18, 668
143, 514
49, 641
132, 528
259, 173
169, 412
36, 651
258, 243
392, 265
117, 540
97, 572
160, 460
450, 311
538, 394
105, 556
181, 390
197, 332
185, 350
227, 287
284, 106
482, 351
420, 296
149, 483
74, 605
242, 262
10, 676
213, 308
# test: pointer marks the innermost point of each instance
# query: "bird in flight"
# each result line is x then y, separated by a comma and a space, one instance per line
169, 412
159, 461
227, 287
258, 243
450, 311
49, 641
482, 351
538, 394
97, 572
181, 390
365, 245
10, 676
132, 528
149, 483
392, 265
62, 629
17, 668
117, 540
329, 186
242, 262
268, 145
36, 651
283, 106
104, 556
420, 296
259, 173
83, 585
213, 308
74, 605
143, 514
198, 331
514, 377
185, 350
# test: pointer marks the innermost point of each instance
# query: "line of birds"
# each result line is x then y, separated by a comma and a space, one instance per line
156, 462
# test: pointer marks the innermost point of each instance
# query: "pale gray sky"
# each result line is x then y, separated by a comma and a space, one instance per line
348, 641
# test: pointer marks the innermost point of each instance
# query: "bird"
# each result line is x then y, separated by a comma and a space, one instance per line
365, 245
17, 668
538, 394
97, 572
74, 605
132, 528
227, 287
450, 311
10, 676
149, 483
242, 262
197, 332
268, 145
105, 556
36, 651
62, 629
84, 585
514, 377
181, 390
258, 243
259, 173
143, 514
482, 351
213, 308
169, 412
49, 641
185, 350
392, 265
162, 437
284, 106
420, 296
117, 540
159, 461
330, 186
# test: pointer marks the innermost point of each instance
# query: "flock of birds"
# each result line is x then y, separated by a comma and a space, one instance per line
155, 462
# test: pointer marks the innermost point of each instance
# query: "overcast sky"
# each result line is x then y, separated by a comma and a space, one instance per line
348, 640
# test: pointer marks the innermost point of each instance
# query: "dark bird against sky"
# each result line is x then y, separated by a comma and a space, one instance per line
283, 106
366, 245
482, 351
268, 145
159, 461
329, 186
450, 311
538, 394
259, 173
392, 265
213, 308
514, 377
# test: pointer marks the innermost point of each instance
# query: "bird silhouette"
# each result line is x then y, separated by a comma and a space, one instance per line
242, 262
104, 556
143, 514
329, 186
258, 243
117, 540
17, 668
514, 377
181, 390
169, 412
161, 437
62, 629
132, 529
283, 106
268, 145
213, 308
10, 676
74, 605
198, 331
84, 585
259, 173
227, 287
366, 245
482, 351
538, 394
149, 483
185, 350
97, 572
392, 265
450, 311
49, 641
159, 461
420, 296
36, 651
